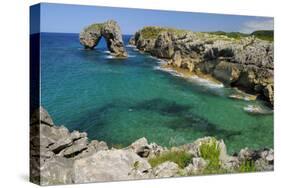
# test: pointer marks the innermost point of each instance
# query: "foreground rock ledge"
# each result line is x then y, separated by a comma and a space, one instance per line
62, 157
246, 62
110, 30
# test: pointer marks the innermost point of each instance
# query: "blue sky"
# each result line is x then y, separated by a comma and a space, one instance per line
73, 18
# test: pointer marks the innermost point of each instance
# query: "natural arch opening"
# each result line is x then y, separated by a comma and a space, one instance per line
91, 36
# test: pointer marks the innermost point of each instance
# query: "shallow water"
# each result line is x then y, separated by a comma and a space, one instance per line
119, 100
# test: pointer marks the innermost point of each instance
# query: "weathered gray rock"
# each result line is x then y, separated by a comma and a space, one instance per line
166, 169
246, 154
176, 59
57, 170
263, 159
61, 157
60, 145
110, 165
163, 47
77, 147
93, 147
226, 72
53, 150
143, 149
110, 30
230, 164
246, 63
197, 166
194, 148
42, 116
269, 92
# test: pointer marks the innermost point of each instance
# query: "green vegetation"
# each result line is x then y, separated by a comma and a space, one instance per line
136, 165
267, 35
151, 32
210, 151
264, 34
234, 35
181, 158
117, 146
247, 166
96, 26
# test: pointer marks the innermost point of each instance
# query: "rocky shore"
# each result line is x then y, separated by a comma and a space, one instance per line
245, 63
110, 30
58, 156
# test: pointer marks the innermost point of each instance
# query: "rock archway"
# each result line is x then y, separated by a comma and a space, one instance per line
110, 30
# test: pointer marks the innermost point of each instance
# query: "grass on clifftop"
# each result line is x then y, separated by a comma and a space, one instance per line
262, 34
151, 32
96, 26
181, 158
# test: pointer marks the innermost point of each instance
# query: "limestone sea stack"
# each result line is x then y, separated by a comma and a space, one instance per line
110, 30
243, 62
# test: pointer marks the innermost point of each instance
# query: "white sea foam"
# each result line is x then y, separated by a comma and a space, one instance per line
255, 109
160, 61
109, 57
113, 57
130, 46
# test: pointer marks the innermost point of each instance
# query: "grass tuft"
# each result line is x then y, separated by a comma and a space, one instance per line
181, 158
247, 166
210, 151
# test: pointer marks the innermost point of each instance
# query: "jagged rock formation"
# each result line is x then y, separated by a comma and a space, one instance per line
246, 63
110, 30
58, 156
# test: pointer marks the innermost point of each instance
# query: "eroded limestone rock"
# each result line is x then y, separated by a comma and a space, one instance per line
246, 63
58, 156
110, 30
109, 166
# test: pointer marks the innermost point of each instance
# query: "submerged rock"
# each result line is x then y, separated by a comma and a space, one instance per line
110, 30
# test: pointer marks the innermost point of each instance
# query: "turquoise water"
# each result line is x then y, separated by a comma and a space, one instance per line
119, 100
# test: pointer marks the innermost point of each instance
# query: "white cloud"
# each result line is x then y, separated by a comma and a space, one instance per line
251, 26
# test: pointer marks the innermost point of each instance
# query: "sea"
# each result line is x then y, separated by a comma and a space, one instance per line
121, 100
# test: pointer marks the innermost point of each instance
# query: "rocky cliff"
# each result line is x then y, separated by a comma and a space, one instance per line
58, 156
110, 30
246, 62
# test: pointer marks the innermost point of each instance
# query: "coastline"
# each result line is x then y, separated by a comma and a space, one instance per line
63, 157
203, 78
235, 63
